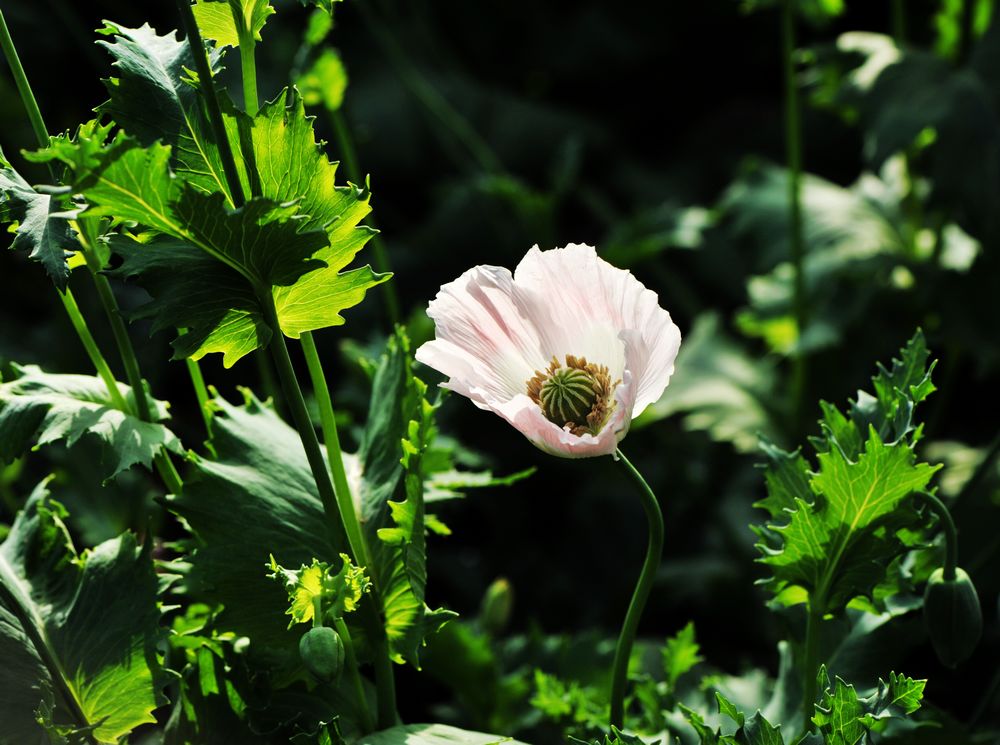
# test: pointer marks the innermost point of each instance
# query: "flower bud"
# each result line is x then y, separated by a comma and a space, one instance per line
952, 615
495, 610
322, 652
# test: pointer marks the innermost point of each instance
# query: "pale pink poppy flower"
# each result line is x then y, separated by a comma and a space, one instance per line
568, 350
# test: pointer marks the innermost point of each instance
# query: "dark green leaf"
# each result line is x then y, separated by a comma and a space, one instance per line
38, 408
680, 654
42, 228
432, 734
96, 615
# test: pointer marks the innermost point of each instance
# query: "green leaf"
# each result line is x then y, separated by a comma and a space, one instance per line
213, 264
154, 99
324, 5
39, 408
317, 588
217, 20
96, 616
400, 429
680, 654
256, 498
39, 225
759, 731
432, 734
706, 735
324, 83
728, 709
845, 719
720, 389
834, 533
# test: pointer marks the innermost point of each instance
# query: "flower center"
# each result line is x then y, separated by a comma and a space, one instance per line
576, 396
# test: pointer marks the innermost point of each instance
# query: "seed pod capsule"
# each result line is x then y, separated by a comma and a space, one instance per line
953, 617
322, 652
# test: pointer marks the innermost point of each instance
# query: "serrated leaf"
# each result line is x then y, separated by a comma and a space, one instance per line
263, 246
728, 709
153, 99
759, 731
316, 587
834, 532
400, 428
845, 719
39, 408
98, 618
680, 654
217, 20
256, 498
900, 695
42, 228
706, 735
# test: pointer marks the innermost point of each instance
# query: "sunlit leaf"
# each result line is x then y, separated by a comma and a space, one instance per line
324, 83
96, 615
39, 408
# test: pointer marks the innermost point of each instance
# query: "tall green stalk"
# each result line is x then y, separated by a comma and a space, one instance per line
335, 519
793, 151
654, 550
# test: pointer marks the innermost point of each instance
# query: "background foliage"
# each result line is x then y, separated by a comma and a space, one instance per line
656, 132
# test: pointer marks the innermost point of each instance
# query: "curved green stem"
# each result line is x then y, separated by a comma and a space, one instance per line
375, 630
793, 151
654, 550
200, 392
359, 688
950, 533
93, 352
381, 255
331, 439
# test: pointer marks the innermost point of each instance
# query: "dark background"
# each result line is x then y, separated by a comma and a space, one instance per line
597, 113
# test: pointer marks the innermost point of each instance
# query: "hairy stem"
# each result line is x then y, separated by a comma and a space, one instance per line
654, 550
367, 724
346, 145
793, 151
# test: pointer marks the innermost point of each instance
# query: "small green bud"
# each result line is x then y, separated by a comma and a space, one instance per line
322, 652
498, 602
953, 617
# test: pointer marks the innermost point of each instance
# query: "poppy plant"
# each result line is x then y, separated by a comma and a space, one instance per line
568, 349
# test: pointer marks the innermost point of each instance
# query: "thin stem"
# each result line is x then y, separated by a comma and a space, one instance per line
334, 456
248, 65
810, 663
346, 144
898, 22
950, 533
204, 71
200, 392
93, 352
23, 87
367, 725
375, 630
654, 550
793, 150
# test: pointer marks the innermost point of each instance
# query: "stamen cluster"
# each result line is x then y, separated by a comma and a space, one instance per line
576, 396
